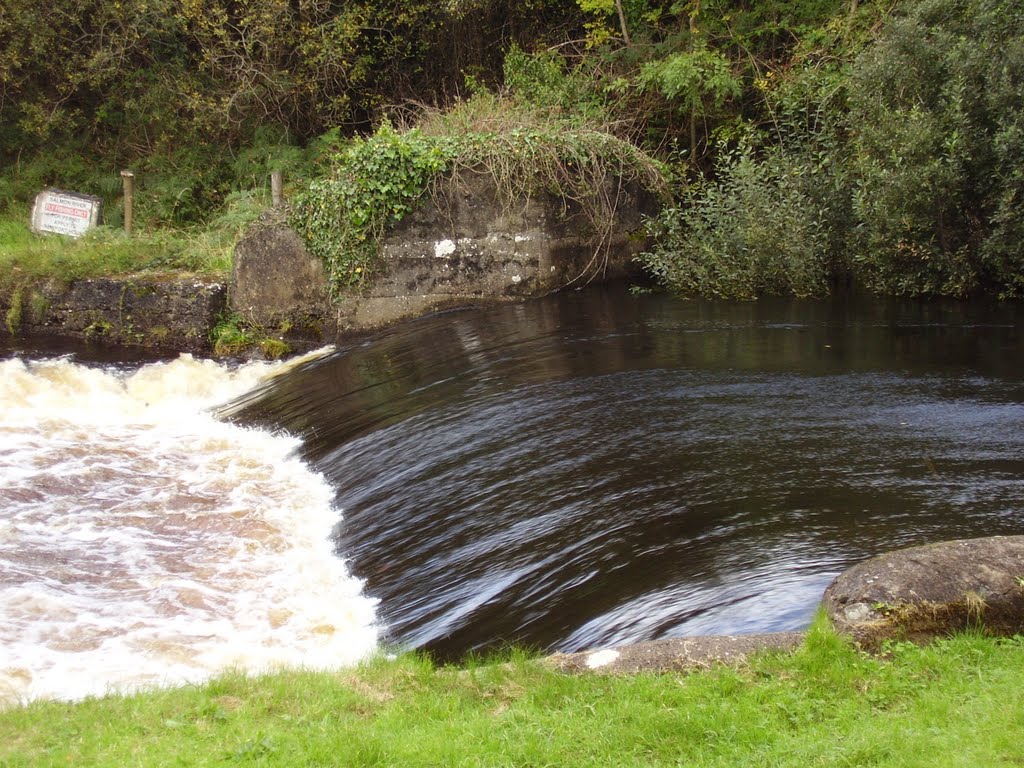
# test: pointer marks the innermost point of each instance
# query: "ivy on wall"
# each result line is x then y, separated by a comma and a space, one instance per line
372, 183
375, 182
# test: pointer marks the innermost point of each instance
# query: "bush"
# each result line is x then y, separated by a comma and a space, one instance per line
546, 82
937, 127
760, 227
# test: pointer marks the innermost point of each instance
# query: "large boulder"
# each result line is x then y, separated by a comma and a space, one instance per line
918, 593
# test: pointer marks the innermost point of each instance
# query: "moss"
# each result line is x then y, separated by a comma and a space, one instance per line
274, 349
139, 291
924, 621
98, 328
159, 334
13, 317
38, 307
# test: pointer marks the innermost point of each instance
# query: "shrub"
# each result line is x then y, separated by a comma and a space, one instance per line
759, 227
937, 129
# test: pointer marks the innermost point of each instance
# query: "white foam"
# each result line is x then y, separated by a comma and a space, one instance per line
142, 542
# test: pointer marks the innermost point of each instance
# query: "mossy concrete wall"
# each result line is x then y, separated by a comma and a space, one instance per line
460, 245
171, 314
278, 286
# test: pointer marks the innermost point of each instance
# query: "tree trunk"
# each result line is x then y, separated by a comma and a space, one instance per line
622, 22
693, 113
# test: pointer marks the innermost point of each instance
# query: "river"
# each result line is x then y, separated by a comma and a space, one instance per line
587, 469
145, 543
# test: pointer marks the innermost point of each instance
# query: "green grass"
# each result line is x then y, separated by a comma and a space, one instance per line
959, 702
106, 252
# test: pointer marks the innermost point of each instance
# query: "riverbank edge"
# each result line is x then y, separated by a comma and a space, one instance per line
156, 313
823, 704
167, 314
913, 594
682, 654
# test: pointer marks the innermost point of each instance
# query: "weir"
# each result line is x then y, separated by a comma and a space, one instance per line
144, 543
600, 468
587, 470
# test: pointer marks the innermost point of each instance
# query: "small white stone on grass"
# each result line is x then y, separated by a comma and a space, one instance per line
601, 658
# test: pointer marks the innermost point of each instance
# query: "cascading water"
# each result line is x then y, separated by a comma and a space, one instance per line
143, 542
589, 469
598, 468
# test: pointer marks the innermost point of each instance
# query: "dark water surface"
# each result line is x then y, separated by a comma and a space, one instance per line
597, 468
88, 353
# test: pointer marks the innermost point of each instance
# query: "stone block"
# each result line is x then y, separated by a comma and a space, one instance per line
918, 593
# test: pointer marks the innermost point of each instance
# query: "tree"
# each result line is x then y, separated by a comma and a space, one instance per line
937, 141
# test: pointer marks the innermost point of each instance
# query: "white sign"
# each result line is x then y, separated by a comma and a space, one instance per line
65, 213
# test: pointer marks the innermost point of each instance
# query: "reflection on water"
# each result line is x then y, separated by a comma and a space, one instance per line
597, 468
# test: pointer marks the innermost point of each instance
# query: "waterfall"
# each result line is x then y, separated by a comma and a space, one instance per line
145, 543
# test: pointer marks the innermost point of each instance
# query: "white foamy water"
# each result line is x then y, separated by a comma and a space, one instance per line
143, 542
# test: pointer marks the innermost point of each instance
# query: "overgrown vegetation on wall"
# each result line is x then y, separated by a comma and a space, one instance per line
373, 183
809, 141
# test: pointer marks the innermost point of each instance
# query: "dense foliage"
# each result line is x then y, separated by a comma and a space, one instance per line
812, 141
372, 183
937, 137
200, 96
896, 162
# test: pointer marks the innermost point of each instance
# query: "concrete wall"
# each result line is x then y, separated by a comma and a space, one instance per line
461, 245
154, 313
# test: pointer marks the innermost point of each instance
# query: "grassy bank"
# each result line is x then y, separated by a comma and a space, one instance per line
957, 703
204, 250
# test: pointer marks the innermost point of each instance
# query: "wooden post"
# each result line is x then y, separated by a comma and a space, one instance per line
128, 179
276, 191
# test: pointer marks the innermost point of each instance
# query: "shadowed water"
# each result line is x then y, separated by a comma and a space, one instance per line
598, 468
